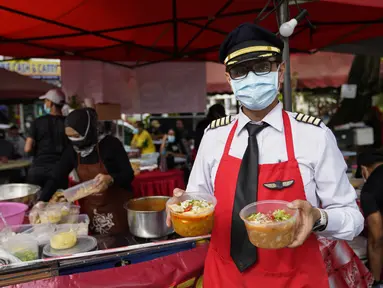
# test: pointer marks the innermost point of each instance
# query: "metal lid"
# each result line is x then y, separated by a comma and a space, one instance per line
84, 244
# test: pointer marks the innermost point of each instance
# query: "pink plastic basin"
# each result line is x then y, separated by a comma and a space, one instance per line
13, 213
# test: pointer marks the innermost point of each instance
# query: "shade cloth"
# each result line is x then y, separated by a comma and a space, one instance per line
16, 86
157, 183
149, 30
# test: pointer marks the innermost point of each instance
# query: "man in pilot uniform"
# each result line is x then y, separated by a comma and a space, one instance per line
266, 153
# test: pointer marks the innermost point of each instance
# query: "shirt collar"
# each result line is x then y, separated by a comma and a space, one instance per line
274, 119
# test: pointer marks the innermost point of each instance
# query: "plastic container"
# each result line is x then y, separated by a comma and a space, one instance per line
50, 214
13, 213
81, 190
70, 214
192, 225
42, 233
273, 235
24, 247
81, 228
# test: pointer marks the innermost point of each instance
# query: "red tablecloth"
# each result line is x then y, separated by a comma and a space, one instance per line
158, 183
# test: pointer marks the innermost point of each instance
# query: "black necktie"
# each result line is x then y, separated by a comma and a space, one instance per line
243, 253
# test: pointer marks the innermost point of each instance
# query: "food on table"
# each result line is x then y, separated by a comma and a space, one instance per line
58, 197
63, 240
22, 246
44, 213
271, 230
148, 204
50, 215
26, 255
192, 217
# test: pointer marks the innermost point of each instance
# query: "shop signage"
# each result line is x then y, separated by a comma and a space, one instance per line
41, 69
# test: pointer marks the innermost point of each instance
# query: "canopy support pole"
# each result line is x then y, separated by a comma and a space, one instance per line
287, 93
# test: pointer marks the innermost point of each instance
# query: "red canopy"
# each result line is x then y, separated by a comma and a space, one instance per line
164, 30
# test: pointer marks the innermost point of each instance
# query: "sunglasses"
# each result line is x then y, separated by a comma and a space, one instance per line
259, 68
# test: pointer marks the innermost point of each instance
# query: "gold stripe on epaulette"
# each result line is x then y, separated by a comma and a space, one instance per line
221, 122
212, 125
308, 119
299, 116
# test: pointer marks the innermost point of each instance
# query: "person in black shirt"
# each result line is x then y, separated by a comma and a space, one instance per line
216, 111
371, 198
46, 140
101, 157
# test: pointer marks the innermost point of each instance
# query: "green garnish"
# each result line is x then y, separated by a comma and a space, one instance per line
281, 215
253, 217
26, 255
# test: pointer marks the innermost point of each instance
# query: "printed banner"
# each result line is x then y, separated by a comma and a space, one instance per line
41, 69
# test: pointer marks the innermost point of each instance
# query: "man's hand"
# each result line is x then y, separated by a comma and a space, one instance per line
176, 193
307, 217
103, 181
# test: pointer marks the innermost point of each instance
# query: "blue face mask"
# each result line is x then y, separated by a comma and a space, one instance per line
135, 131
47, 109
171, 138
256, 92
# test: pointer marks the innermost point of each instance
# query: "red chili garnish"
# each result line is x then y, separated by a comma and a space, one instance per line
188, 208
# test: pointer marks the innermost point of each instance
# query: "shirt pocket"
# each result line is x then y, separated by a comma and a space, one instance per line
307, 175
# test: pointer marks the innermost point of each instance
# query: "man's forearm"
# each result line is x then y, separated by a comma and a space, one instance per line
375, 259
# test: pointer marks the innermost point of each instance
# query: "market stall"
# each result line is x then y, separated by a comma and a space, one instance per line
158, 183
164, 263
31, 252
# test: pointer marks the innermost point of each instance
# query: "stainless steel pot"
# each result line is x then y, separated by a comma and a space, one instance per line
22, 193
148, 224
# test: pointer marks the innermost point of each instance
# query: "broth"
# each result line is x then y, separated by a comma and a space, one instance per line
150, 204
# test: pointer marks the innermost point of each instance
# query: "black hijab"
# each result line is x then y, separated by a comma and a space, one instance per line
84, 121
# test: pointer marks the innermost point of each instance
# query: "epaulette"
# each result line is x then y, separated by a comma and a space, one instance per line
221, 122
308, 119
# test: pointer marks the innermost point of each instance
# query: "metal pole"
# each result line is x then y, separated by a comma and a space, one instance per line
287, 94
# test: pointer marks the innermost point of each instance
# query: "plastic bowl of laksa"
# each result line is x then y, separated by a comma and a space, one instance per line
192, 214
270, 224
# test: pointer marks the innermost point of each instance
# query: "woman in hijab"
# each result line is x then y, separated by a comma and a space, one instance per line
100, 157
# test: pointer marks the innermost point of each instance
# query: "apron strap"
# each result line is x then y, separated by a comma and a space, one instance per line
288, 136
230, 138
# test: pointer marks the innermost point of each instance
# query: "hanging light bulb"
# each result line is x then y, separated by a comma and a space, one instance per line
287, 28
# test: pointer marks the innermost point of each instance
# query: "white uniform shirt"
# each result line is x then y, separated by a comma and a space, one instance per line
321, 164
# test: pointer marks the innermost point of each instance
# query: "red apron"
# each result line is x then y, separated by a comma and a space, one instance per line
295, 268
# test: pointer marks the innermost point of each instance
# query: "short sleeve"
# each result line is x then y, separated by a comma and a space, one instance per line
368, 203
32, 130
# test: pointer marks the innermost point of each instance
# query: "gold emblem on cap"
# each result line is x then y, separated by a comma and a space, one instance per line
251, 50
